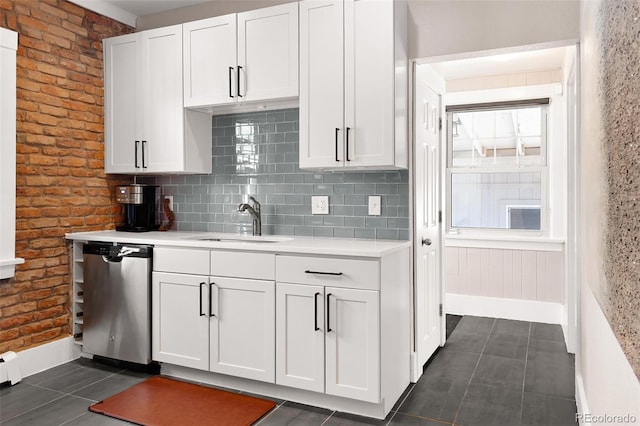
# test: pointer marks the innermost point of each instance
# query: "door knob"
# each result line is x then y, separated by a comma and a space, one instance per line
426, 241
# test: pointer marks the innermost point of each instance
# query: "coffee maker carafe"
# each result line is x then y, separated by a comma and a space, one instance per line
140, 207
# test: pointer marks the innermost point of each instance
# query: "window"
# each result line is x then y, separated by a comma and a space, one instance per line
496, 167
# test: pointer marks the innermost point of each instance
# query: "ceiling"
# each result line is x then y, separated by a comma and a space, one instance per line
127, 11
510, 63
147, 7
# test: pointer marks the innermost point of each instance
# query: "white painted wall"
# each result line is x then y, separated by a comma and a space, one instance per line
605, 382
444, 27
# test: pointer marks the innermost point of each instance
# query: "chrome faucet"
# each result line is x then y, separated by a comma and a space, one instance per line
254, 211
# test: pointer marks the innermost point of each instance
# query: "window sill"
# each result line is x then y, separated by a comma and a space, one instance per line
509, 242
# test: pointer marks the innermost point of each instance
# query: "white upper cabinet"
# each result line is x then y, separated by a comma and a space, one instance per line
244, 57
146, 127
210, 61
353, 84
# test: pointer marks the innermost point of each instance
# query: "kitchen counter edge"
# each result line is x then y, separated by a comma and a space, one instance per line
293, 245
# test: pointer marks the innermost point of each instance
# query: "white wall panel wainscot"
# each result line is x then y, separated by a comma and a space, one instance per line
522, 284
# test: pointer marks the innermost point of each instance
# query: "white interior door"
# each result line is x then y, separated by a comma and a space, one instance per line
427, 244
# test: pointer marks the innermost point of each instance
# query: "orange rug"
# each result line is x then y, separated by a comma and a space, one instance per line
160, 401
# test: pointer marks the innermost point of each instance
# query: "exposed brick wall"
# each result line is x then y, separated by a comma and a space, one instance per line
61, 185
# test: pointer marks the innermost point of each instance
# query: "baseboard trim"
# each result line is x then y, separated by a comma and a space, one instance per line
43, 357
515, 309
581, 398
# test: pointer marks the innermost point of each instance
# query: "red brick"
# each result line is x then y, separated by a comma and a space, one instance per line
46, 335
20, 308
15, 321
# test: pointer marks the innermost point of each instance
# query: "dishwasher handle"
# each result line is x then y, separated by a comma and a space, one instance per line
114, 253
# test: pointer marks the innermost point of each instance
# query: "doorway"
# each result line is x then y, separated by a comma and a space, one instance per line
488, 272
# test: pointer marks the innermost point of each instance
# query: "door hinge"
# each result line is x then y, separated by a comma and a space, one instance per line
441, 309
440, 216
440, 123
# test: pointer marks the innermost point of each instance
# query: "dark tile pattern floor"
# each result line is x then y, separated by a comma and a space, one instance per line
490, 372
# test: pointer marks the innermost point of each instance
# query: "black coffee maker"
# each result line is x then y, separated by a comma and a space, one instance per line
140, 207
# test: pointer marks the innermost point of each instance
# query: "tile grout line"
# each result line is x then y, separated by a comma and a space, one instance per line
39, 406
474, 371
524, 379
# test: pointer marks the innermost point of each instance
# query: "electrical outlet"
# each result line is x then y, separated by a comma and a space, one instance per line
170, 197
374, 205
319, 204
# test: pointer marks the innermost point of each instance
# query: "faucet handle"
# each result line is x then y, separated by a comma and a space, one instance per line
255, 202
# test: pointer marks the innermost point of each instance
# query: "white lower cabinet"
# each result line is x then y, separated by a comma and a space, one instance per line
220, 324
328, 340
242, 341
300, 338
353, 344
331, 330
180, 319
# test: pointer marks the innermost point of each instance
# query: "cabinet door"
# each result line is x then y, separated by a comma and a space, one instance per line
243, 328
268, 53
321, 84
369, 82
300, 336
353, 344
210, 61
180, 319
163, 116
121, 104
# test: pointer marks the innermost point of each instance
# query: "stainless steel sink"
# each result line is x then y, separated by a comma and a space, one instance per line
239, 239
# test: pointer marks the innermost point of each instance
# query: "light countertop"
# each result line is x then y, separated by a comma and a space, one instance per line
282, 244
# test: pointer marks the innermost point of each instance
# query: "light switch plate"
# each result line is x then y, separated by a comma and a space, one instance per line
319, 204
374, 205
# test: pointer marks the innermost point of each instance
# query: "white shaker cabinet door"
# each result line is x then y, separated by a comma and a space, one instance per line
369, 83
163, 149
353, 344
180, 319
300, 336
122, 104
268, 53
321, 84
210, 61
243, 328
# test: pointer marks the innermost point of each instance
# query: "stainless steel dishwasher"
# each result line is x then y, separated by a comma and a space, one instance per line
117, 301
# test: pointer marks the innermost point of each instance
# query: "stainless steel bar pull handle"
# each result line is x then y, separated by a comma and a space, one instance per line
144, 143
347, 143
230, 82
211, 314
238, 79
328, 315
315, 311
135, 154
323, 273
337, 130
200, 306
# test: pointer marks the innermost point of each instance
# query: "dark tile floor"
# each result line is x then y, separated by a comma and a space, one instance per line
490, 372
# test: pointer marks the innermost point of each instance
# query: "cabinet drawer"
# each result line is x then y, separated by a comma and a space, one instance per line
331, 271
182, 261
259, 266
